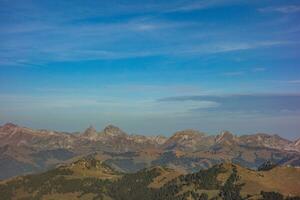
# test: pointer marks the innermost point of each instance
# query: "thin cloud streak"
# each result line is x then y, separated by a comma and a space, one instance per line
68, 53
74, 38
282, 9
292, 81
201, 5
260, 103
259, 69
239, 73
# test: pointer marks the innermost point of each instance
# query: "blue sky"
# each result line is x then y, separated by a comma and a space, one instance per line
151, 67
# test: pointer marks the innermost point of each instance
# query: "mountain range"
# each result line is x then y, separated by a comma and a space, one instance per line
24, 150
90, 178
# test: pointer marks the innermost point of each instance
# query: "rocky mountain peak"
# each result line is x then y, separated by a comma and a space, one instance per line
187, 139
297, 142
113, 131
225, 136
9, 127
159, 139
296, 145
90, 132
91, 129
266, 140
187, 134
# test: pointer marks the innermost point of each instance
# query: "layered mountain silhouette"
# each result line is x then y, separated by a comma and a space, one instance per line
24, 150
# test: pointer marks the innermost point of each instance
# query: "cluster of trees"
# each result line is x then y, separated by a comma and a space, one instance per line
202, 180
192, 195
231, 189
205, 179
134, 186
276, 196
31, 183
268, 165
53, 181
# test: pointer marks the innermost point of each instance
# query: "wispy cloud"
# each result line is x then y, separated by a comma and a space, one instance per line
260, 103
241, 73
291, 81
282, 9
87, 47
259, 69
221, 47
238, 73
77, 35
200, 5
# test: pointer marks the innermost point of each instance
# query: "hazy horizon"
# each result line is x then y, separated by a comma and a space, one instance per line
152, 67
165, 134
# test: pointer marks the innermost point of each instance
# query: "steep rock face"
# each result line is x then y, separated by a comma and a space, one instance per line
226, 138
8, 128
265, 140
188, 140
140, 139
226, 145
159, 140
11, 134
295, 146
113, 131
297, 143
112, 134
118, 140
15, 135
90, 133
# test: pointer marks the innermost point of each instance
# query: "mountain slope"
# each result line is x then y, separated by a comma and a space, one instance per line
24, 150
90, 178
229, 181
